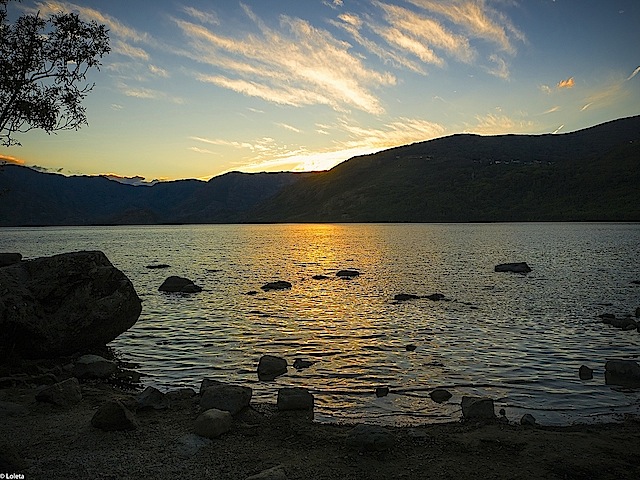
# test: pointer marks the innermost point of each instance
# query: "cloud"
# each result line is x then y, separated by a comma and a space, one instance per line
558, 129
158, 72
10, 159
289, 127
553, 109
267, 153
496, 124
500, 68
200, 150
129, 50
296, 64
477, 19
203, 17
568, 83
147, 93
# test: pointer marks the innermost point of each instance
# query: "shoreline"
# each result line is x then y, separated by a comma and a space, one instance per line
48, 441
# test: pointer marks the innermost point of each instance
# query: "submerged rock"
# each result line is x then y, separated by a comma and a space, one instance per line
300, 364
518, 267
403, 297
347, 273
435, 297
382, 391
158, 266
585, 373
279, 285
320, 277
176, 284
59, 305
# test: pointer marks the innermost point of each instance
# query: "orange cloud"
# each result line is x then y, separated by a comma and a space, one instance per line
10, 159
568, 83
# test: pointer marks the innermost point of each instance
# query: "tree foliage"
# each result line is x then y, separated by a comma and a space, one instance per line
44, 65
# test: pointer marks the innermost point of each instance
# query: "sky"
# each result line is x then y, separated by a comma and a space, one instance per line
194, 89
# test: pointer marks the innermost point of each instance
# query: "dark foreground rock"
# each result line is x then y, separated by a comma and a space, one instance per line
7, 259
270, 367
60, 305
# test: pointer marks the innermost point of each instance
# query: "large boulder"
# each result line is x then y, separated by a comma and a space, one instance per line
63, 304
270, 367
477, 408
7, 259
232, 398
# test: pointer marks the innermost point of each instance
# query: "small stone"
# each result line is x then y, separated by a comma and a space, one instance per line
294, 398
382, 391
478, 408
114, 416
320, 277
158, 266
231, 398
528, 419
410, 348
585, 373
275, 473
64, 393
190, 443
271, 367
440, 395
372, 438
279, 285
153, 398
94, 366
213, 423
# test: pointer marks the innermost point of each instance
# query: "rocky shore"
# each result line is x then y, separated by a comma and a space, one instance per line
44, 440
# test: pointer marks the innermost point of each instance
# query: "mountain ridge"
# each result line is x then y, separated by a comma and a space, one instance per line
588, 175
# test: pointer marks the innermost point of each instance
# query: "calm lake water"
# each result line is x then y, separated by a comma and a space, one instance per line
519, 339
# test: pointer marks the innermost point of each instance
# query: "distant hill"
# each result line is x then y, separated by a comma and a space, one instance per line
588, 175
28, 197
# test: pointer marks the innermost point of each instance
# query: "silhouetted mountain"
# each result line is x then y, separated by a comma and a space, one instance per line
588, 175
28, 197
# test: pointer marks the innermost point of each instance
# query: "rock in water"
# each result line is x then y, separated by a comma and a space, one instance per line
585, 373
440, 395
176, 284
271, 367
279, 285
478, 408
63, 304
347, 273
519, 267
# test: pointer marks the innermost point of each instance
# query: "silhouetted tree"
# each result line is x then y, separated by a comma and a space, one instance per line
43, 69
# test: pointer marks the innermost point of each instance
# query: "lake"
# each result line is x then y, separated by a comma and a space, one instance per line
519, 339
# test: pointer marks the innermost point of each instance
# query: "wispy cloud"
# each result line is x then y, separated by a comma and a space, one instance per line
289, 127
10, 159
267, 153
497, 124
568, 83
295, 64
478, 19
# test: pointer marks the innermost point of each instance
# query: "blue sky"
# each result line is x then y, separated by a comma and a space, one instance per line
193, 89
